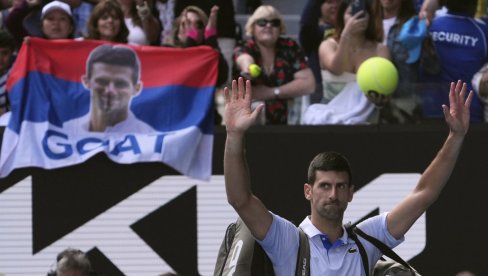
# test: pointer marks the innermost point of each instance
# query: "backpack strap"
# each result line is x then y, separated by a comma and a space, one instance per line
225, 248
383, 248
303, 256
364, 257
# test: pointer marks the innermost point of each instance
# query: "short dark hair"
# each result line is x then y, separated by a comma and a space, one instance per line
328, 161
114, 55
7, 40
457, 6
73, 259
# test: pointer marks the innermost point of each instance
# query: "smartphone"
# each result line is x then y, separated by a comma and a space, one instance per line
357, 6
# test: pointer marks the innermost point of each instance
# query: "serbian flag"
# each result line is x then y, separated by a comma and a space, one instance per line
157, 107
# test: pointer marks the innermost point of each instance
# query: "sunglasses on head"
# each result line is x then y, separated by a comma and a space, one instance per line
263, 22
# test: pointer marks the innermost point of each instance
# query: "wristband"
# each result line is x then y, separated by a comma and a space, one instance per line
209, 32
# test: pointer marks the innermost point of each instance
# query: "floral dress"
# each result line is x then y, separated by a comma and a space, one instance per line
289, 59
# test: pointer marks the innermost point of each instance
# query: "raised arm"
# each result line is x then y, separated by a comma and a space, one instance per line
337, 56
150, 24
434, 178
238, 118
428, 9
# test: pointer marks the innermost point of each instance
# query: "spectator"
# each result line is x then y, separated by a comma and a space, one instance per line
431, 8
107, 23
72, 262
404, 106
317, 23
462, 46
5, 11
480, 86
144, 28
329, 190
15, 19
193, 28
81, 14
285, 75
29, 18
57, 21
7, 57
357, 38
166, 11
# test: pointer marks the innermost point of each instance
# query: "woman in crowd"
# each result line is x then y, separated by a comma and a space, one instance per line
57, 21
357, 38
194, 28
106, 22
317, 23
285, 74
144, 28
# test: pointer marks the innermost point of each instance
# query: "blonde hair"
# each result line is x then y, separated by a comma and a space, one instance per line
264, 11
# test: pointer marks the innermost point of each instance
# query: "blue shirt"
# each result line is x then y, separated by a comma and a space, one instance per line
462, 45
341, 259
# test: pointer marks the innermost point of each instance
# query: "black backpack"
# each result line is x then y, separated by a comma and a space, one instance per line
241, 255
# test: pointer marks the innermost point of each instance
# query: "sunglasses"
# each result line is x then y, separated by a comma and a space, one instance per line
263, 22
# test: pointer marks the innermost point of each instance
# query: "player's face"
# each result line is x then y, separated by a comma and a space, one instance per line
112, 87
57, 25
330, 194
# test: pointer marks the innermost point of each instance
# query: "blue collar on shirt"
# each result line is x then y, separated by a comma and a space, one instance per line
327, 244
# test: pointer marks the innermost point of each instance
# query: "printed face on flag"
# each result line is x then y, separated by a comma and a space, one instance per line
112, 77
111, 88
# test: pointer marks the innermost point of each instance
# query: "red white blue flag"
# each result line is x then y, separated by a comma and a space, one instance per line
65, 110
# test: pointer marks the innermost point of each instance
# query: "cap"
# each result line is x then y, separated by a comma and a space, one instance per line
411, 36
56, 5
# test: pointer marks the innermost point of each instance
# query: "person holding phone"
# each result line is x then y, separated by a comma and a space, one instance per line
357, 38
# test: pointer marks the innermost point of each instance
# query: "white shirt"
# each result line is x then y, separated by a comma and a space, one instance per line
137, 35
387, 23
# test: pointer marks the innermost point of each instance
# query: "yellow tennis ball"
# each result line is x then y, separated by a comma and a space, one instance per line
377, 74
254, 70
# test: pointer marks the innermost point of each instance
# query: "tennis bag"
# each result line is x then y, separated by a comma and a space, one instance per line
241, 255
394, 267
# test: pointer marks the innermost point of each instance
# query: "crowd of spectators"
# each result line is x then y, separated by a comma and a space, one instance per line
309, 80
